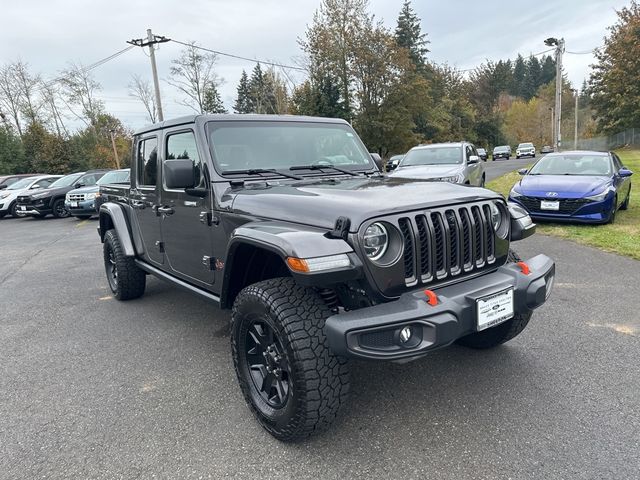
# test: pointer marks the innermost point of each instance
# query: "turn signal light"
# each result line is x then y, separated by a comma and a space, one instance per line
524, 268
298, 264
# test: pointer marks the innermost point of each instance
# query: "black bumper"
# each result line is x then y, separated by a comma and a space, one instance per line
374, 332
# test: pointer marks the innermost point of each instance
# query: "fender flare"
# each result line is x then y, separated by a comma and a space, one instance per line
287, 240
113, 214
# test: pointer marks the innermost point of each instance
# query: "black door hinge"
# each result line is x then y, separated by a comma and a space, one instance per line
209, 263
209, 218
160, 246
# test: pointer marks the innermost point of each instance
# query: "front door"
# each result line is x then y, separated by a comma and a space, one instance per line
144, 198
185, 219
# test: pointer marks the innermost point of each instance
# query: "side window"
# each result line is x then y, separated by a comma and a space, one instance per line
617, 163
147, 162
45, 183
183, 146
469, 151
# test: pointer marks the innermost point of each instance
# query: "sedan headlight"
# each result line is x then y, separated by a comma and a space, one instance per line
600, 196
4, 195
375, 241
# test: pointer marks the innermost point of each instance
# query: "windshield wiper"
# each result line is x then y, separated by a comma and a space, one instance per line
258, 171
319, 166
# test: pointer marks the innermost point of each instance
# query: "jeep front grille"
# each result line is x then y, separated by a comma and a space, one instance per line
445, 243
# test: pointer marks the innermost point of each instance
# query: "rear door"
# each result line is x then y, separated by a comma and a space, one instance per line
474, 169
145, 199
186, 229
623, 184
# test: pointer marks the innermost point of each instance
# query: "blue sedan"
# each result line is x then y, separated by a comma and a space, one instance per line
578, 186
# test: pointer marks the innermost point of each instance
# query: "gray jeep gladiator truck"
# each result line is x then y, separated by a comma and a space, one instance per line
288, 222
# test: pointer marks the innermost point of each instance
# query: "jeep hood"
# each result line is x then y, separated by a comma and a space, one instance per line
320, 202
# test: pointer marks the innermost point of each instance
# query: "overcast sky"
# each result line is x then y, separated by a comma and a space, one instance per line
49, 33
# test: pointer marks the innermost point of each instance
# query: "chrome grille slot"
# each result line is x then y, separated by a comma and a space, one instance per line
76, 197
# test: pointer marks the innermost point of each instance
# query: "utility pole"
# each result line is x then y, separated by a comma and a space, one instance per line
552, 126
115, 151
151, 40
559, 44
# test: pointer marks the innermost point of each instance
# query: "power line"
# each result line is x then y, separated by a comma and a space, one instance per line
586, 52
254, 60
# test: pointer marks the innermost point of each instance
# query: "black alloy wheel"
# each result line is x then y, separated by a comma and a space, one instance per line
111, 268
59, 210
267, 363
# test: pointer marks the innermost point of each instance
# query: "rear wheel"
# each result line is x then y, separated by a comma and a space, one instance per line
126, 279
494, 336
59, 210
291, 380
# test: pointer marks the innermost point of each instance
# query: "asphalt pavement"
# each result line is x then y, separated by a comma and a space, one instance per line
497, 168
95, 388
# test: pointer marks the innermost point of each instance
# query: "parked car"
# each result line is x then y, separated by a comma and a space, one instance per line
578, 186
502, 151
51, 200
526, 150
546, 149
445, 162
482, 153
319, 261
6, 180
9, 196
82, 202
393, 161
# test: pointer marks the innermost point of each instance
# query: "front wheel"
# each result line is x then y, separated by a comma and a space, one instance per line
291, 380
59, 210
494, 336
126, 279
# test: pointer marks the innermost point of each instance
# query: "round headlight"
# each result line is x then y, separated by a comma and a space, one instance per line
375, 241
496, 218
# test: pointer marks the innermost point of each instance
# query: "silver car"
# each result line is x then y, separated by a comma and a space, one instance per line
446, 162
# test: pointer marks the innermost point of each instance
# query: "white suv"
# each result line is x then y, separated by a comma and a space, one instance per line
9, 195
526, 150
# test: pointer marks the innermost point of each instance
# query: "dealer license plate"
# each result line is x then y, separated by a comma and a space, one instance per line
494, 309
547, 205
73, 204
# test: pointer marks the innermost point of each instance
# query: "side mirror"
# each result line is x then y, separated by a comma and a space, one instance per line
79, 185
473, 159
522, 171
625, 172
377, 159
179, 173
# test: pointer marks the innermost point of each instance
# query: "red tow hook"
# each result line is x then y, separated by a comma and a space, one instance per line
524, 268
432, 298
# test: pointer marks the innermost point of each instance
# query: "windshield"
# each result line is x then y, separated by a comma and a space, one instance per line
572, 165
118, 176
501, 149
20, 184
433, 156
242, 145
66, 181
525, 145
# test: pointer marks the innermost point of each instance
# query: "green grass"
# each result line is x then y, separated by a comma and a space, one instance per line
622, 237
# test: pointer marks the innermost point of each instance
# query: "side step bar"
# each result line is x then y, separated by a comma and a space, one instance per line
177, 282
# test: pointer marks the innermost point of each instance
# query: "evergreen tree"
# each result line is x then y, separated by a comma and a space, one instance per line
548, 73
409, 35
256, 90
212, 103
532, 79
519, 72
243, 100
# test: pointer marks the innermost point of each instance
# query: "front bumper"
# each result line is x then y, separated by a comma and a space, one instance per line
373, 332
81, 208
592, 212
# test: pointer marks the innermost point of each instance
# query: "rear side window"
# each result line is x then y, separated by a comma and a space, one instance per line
147, 162
46, 182
182, 146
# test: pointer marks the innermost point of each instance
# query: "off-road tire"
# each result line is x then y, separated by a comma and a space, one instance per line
625, 204
130, 280
318, 380
494, 336
59, 210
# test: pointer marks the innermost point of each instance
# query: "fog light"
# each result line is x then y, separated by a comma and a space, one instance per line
405, 334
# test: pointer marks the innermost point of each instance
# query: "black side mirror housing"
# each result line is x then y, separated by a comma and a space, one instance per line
377, 159
179, 174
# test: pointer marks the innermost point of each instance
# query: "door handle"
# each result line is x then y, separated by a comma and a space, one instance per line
139, 205
165, 210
